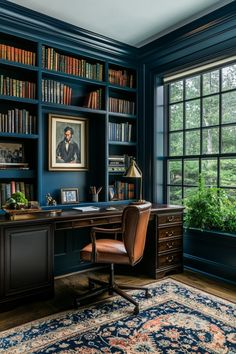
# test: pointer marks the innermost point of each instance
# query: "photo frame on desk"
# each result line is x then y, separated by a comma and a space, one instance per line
69, 195
68, 143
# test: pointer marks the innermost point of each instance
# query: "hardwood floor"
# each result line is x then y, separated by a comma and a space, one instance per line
67, 287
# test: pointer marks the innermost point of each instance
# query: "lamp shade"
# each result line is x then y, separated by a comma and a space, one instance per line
133, 171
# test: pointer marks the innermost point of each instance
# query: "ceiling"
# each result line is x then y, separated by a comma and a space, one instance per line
134, 22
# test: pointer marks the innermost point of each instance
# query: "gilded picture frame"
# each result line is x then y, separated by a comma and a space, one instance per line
68, 143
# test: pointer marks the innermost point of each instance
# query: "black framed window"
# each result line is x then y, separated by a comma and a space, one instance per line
201, 132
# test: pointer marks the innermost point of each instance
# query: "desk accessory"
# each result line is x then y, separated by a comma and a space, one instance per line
134, 171
95, 192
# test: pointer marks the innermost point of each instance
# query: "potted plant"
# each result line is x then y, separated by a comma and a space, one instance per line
17, 201
210, 232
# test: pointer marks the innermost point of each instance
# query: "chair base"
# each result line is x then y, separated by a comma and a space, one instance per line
111, 287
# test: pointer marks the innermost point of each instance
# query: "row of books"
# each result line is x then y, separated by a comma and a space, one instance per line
120, 132
8, 188
124, 190
121, 78
17, 88
94, 100
121, 106
52, 60
56, 92
18, 55
118, 163
18, 121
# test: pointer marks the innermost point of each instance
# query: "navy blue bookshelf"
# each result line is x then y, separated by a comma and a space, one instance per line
99, 147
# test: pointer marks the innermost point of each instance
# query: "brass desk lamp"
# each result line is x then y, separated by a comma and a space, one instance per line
134, 171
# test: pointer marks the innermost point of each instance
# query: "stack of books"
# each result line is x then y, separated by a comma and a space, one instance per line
118, 163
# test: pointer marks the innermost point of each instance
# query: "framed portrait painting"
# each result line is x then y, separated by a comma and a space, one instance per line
68, 143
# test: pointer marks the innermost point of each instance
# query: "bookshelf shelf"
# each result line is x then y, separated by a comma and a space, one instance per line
19, 99
17, 173
18, 65
122, 115
122, 143
72, 78
19, 136
69, 108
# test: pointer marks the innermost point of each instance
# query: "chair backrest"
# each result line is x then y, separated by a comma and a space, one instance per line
134, 223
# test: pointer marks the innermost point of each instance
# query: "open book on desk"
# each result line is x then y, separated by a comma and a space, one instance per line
86, 208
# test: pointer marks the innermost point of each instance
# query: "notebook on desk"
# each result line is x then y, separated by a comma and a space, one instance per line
87, 208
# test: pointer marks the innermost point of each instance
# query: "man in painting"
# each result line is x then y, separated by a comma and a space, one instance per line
68, 150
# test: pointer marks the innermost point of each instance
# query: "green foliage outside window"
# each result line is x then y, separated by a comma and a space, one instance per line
210, 209
201, 133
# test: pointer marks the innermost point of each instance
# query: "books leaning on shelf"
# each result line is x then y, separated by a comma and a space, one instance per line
17, 88
56, 92
120, 132
17, 121
18, 55
94, 100
121, 78
118, 105
53, 60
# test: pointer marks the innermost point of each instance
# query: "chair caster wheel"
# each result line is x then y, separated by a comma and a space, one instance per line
148, 295
136, 310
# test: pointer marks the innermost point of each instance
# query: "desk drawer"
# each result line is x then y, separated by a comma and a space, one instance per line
169, 218
175, 244
74, 224
168, 232
169, 259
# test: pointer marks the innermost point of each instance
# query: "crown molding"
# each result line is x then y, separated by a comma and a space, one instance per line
220, 25
34, 25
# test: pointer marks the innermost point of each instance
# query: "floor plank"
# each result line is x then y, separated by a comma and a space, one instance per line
67, 287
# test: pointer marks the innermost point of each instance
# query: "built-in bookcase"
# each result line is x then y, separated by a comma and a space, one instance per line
38, 80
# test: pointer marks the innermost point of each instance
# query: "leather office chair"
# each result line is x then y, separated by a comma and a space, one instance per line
128, 251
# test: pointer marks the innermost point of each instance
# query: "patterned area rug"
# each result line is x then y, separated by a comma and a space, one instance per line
176, 319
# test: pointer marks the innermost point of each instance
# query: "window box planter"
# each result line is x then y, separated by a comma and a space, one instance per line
211, 252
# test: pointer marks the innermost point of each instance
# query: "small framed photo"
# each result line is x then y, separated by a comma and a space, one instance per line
69, 195
68, 143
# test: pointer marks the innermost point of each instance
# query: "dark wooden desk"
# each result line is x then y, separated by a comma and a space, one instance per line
27, 247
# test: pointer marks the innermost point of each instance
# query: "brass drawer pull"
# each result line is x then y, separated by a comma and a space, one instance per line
169, 233
91, 221
170, 218
170, 259
170, 245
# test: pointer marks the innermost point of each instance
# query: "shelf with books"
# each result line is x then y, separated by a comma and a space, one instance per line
72, 64
18, 50
10, 186
17, 120
122, 102
19, 83
120, 76
121, 132
73, 93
